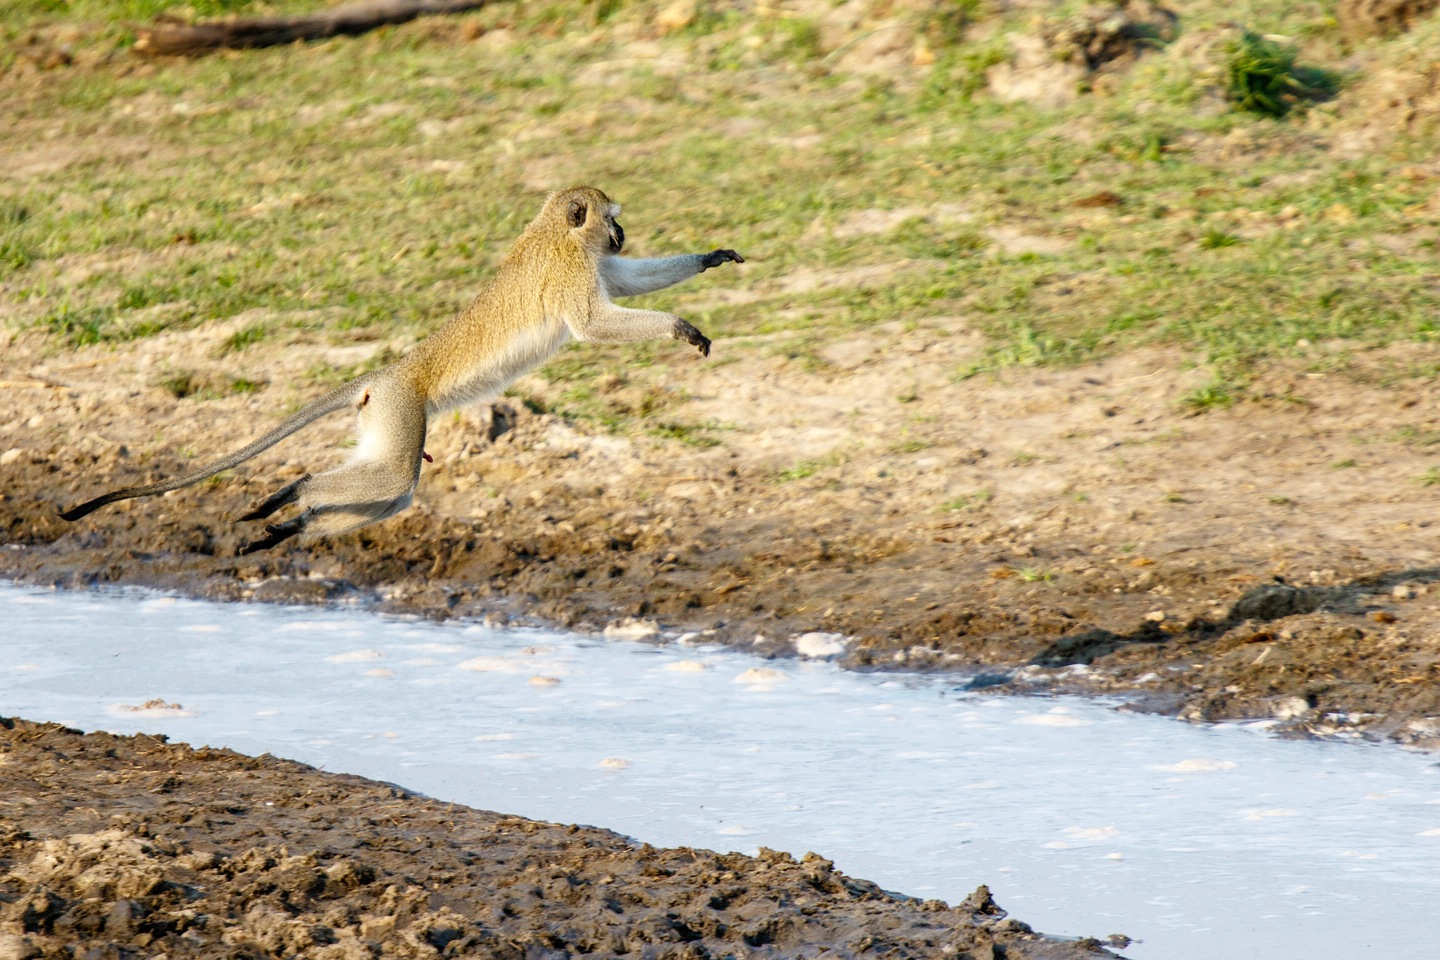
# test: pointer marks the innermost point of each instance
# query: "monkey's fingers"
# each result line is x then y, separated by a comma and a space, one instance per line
685, 331
716, 257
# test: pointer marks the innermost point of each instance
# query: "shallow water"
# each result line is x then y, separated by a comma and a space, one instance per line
1200, 842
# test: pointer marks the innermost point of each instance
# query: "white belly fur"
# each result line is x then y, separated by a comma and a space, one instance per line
489, 380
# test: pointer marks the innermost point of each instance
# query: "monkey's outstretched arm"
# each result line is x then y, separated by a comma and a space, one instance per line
630, 277
342, 396
608, 323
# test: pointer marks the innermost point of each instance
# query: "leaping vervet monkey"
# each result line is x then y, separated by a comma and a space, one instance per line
556, 283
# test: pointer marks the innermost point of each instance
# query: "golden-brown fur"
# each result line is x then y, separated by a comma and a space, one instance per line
555, 284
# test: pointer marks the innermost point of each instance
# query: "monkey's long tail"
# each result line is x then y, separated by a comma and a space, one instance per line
342, 396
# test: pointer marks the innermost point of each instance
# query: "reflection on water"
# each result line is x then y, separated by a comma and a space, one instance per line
1199, 841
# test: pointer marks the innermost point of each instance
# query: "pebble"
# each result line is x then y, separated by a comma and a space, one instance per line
760, 675
632, 628
819, 646
1291, 707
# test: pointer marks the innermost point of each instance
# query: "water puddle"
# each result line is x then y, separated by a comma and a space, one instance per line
1199, 841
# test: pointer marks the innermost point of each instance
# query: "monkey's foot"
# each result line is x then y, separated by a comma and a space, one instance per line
275, 533
285, 496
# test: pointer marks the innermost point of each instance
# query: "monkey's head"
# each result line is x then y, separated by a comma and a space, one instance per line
590, 217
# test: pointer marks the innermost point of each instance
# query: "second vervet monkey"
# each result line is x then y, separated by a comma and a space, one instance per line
555, 284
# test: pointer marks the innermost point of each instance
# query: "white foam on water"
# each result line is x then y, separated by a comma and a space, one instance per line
687, 666
1197, 765
355, 656
1200, 841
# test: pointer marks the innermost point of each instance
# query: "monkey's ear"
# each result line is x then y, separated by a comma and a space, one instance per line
577, 213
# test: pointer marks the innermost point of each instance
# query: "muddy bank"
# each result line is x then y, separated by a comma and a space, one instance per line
130, 846
1077, 530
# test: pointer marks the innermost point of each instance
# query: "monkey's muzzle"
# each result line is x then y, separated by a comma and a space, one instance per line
617, 237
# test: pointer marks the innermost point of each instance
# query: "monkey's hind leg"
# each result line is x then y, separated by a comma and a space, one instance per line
276, 533
283, 497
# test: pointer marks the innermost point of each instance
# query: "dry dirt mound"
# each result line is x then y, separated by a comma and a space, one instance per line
119, 847
1068, 53
1379, 18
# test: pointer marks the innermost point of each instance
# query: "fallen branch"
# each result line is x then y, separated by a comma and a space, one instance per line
164, 39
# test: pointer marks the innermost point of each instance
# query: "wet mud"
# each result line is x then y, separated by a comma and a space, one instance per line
121, 847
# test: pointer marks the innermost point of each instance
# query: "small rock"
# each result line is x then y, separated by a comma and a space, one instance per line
1291, 707
676, 16
819, 646
760, 676
632, 628
11, 455
1403, 592
15, 947
1156, 616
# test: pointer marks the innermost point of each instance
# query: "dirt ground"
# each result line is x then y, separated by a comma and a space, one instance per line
1074, 529
121, 847
1046, 530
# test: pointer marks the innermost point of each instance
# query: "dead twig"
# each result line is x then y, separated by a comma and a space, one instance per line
169, 38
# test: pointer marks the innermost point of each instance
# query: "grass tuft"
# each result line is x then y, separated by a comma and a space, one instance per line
1263, 76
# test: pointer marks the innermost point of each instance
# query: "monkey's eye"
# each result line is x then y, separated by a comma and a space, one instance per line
365, 399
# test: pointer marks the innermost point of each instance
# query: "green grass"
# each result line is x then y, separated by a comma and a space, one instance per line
1034, 574
808, 468
1213, 395
1263, 76
372, 184
968, 503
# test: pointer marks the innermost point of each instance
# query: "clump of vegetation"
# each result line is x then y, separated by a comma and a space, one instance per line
968, 502
1214, 395
808, 468
1034, 574
1263, 75
690, 434
242, 338
181, 384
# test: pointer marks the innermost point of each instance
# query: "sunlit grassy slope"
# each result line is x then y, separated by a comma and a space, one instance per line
364, 187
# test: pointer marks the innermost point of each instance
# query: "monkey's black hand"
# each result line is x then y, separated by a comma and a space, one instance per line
716, 257
684, 331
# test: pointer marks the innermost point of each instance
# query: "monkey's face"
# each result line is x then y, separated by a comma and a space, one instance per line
591, 216
614, 233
